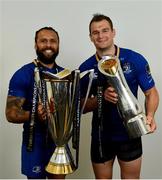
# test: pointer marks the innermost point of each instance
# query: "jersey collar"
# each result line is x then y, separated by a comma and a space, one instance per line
117, 52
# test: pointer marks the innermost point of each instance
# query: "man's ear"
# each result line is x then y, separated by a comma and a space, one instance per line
90, 37
35, 47
114, 32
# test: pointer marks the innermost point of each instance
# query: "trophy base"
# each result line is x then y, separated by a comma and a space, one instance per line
61, 162
137, 126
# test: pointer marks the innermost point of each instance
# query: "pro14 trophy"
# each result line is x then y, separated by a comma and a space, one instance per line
64, 113
129, 108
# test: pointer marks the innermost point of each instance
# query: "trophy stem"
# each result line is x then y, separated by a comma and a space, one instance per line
61, 161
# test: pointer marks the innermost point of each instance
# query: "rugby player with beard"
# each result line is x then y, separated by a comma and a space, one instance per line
20, 103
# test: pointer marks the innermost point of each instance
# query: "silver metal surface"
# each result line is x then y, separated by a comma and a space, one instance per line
63, 108
59, 102
128, 106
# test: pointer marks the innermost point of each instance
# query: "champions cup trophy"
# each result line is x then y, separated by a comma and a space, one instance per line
64, 113
129, 108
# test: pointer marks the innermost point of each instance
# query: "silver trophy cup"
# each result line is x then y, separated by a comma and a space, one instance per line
63, 107
128, 106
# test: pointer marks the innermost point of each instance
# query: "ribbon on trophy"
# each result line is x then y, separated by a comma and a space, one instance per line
79, 112
32, 118
39, 95
100, 115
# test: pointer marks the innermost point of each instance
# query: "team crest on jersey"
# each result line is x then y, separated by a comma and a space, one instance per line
36, 169
126, 68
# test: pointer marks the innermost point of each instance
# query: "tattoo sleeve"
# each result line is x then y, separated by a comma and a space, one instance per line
14, 110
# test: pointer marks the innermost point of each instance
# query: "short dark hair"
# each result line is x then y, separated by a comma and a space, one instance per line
45, 28
99, 17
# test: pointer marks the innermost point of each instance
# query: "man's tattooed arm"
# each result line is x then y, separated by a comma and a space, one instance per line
14, 111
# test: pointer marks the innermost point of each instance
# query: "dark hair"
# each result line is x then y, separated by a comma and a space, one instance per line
99, 17
45, 28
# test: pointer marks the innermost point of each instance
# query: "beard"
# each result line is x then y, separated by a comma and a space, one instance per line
46, 59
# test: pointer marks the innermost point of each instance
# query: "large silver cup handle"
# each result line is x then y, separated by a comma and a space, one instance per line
91, 75
76, 122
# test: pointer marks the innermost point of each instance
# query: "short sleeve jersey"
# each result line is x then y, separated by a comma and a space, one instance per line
137, 74
22, 85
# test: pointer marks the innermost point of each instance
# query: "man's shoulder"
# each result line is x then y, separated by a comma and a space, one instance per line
24, 71
27, 66
90, 59
130, 52
30, 65
88, 63
130, 55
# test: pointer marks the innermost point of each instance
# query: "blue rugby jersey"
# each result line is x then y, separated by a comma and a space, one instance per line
21, 85
137, 73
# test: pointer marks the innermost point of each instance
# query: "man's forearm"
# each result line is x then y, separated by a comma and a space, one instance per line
152, 101
91, 104
14, 111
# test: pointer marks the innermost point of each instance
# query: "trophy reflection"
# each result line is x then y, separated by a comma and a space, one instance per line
128, 106
64, 113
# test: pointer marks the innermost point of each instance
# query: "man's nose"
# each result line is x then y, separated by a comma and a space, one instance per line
100, 34
48, 44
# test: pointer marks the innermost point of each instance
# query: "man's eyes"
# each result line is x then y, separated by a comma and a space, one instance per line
45, 41
95, 33
98, 32
105, 30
